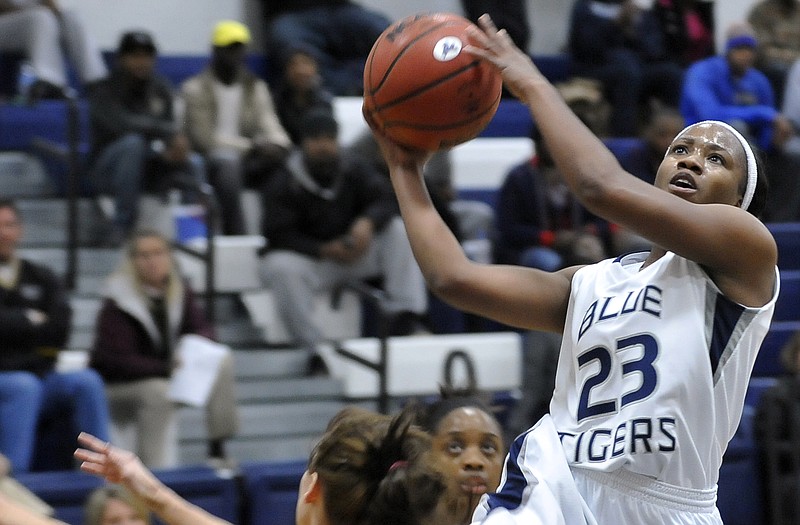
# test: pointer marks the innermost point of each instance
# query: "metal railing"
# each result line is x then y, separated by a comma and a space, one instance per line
208, 256
71, 155
376, 297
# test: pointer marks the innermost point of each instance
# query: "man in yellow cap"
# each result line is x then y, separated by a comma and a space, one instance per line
231, 120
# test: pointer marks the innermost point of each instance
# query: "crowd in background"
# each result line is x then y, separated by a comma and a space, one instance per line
328, 211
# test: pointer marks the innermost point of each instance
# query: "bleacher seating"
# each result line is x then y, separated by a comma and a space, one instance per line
787, 235
767, 364
739, 493
66, 491
268, 489
788, 306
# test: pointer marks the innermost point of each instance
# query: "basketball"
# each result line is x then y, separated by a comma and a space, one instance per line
422, 90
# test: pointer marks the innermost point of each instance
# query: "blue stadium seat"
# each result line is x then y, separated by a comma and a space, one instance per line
768, 363
270, 491
787, 235
738, 491
788, 306
739, 497
511, 120
556, 67
66, 491
205, 488
757, 386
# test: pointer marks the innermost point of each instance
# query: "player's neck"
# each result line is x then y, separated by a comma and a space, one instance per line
655, 254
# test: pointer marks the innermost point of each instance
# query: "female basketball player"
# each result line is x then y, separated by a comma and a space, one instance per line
468, 443
657, 346
368, 469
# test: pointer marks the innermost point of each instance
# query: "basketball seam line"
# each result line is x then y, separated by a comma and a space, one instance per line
428, 86
403, 52
429, 127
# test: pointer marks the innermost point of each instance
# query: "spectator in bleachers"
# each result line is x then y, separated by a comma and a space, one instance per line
43, 32
729, 88
34, 326
137, 145
777, 432
300, 90
777, 26
231, 120
438, 176
147, 307
469, 446
330, 218
540, 352
791, 108
115, 505
339, 33
643, 159
539, 224
622, 45
688, 27
511, 15
367, 469
470, 220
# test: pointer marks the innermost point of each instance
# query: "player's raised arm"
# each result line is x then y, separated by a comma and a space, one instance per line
517, 296
695, 207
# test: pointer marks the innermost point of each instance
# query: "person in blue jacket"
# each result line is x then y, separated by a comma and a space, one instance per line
729, 88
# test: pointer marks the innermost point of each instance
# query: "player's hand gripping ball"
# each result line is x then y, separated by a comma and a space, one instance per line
422, 90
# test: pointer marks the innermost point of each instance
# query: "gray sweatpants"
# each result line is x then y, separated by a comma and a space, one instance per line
40, 36
296, 278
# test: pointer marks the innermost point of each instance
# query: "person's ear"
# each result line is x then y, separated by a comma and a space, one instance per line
314, 491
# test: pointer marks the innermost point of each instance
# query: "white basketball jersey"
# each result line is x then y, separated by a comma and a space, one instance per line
653, 369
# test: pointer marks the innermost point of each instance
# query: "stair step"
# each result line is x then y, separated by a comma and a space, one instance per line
245, 450
259, 364
274, 390
23, 176
90, 262
266, 420
46, 221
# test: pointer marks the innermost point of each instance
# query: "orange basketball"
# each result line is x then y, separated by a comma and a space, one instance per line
422, 90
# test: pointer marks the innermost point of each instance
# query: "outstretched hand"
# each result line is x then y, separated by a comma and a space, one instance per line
496, 46
395, 154
116, 465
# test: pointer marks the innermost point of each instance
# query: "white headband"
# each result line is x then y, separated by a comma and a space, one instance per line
752, 169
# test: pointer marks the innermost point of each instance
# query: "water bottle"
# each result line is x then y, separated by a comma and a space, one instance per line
25, 79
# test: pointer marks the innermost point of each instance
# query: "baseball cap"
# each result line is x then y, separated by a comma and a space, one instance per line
136, 41
230, 32
740, 35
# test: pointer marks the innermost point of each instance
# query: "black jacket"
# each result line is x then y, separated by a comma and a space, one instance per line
120, 105
300, 220
23, 345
